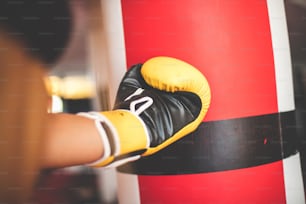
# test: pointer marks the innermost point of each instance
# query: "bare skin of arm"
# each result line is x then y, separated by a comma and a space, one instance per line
70, 140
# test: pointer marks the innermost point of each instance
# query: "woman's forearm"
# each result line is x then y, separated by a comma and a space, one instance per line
70, 140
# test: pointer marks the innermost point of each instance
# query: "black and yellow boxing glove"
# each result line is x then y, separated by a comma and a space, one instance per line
157, 103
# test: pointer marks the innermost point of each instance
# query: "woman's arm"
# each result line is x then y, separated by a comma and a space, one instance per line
70, 140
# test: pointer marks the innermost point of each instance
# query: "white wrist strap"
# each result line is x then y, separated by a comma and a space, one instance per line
98, 118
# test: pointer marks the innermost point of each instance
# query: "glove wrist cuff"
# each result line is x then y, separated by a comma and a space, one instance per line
123, 134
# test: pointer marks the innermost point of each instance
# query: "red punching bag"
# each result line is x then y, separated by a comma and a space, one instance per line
245, 151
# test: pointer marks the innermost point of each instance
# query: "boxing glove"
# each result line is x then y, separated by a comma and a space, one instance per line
157, 103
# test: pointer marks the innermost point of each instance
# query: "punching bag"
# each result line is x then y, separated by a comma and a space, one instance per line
245, 150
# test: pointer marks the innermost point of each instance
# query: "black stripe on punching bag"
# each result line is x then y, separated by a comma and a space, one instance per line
224, 145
